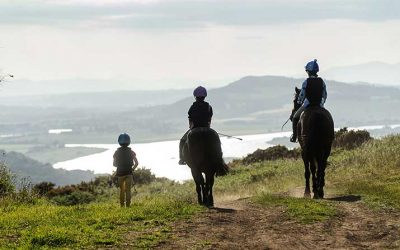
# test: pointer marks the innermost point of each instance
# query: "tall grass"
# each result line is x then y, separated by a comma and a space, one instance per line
372, 171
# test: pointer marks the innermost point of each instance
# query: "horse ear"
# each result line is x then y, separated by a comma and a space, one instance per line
296, 89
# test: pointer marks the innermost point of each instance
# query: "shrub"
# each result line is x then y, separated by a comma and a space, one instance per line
7, 180
269, 154
350, 139
74, 198
43, 188
143, 176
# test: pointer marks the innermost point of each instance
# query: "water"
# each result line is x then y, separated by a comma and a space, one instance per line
59, 131
162, 157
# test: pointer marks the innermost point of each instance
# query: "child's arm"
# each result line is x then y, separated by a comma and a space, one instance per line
135, 161
114, 161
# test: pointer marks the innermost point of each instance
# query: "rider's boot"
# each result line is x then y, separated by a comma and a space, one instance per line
293, 138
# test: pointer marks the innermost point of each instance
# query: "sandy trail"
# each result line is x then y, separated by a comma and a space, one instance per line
241, 224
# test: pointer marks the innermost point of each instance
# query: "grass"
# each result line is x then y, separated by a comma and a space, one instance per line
303, 210
96, 224
372, 171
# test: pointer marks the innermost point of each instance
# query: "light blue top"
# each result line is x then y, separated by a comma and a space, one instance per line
302, 97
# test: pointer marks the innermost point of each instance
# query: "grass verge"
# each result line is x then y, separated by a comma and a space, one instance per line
302, 210
95, 225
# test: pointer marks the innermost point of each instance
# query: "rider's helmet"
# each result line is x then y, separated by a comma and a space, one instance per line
312, 66
200, 91
124, 139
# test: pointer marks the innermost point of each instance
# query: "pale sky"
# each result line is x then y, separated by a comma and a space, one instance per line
163, 44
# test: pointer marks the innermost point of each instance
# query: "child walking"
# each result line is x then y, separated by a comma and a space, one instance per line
126, 162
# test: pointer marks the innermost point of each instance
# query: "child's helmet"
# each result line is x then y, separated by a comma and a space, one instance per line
312, 66
200, 91
124, 139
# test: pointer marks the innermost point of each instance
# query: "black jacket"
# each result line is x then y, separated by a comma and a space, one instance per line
200, 114
123, 160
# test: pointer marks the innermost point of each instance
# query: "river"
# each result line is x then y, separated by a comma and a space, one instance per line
162, 157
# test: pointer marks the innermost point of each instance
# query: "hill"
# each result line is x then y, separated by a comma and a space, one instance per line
38, 172
254, 104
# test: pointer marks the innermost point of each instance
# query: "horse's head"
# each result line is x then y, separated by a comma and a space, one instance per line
296, 96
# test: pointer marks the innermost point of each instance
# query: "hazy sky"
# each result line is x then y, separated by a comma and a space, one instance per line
162, 43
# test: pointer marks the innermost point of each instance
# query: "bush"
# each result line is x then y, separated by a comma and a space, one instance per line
143, 176
74, 198
43, 188
7, 180
350, 139
269, 154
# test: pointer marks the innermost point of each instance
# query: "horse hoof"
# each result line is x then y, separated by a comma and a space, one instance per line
316, 197
307, 195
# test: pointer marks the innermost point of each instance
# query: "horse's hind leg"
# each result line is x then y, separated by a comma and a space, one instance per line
307, 192
313, 168
199, 180
208, 197
321, 177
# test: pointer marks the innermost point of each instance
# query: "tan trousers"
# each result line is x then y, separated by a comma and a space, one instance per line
125, 184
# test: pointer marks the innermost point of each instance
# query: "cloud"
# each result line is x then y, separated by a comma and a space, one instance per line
158, 14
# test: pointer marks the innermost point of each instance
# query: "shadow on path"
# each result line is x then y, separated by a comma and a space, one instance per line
346, 198
223, 210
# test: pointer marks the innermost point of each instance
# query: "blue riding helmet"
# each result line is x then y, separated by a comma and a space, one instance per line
124, 139
200, 91
312, 66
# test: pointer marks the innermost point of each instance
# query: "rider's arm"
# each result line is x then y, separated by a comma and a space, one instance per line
302, 94
324, 93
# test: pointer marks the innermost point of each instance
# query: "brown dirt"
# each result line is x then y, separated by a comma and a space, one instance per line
241, 224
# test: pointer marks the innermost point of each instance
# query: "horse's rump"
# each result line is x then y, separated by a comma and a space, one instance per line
203, 151
316, 129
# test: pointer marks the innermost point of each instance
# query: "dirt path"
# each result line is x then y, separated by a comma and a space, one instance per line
241, 224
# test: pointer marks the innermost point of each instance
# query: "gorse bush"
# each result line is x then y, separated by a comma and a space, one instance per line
269, 154
74, 198
350, 139
43, 188
143, 176
7, 179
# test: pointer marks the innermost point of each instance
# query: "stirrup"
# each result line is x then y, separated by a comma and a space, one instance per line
181, 162
293, 138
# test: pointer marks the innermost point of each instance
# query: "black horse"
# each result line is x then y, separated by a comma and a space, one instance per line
316, 133
203, 154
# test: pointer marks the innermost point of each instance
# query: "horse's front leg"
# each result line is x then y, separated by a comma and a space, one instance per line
199, 181
307, 192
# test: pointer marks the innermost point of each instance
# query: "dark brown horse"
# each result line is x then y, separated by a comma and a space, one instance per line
203, 154
316, 133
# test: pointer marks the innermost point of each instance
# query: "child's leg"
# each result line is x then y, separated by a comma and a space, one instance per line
121, 182
129, 181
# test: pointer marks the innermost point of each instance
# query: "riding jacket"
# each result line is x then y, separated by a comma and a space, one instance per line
123, 160
313, 88
200, 114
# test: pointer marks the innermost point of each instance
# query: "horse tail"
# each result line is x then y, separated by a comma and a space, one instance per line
320, 140
222, 169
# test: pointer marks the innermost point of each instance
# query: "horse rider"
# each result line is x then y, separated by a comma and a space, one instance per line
313, 93
199, 114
